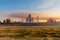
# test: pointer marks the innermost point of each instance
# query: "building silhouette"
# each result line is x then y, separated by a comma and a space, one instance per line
51, 20
7, 21
29, 19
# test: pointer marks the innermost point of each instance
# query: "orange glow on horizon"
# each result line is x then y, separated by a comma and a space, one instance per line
42, 17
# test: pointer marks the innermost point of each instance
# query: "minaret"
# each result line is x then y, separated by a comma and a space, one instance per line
37, 18
22, 19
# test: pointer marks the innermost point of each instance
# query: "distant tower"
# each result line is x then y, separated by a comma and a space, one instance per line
22, 19
37, 18
29, 19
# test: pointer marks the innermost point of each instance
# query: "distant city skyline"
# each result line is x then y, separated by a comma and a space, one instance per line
45, 8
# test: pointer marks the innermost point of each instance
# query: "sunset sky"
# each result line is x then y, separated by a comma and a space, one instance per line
46, 8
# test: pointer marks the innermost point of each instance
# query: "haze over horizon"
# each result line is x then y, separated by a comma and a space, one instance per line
16, 8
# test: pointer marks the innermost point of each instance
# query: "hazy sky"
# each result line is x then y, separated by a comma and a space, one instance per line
48, 7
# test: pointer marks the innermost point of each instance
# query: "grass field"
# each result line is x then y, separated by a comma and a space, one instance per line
30, 32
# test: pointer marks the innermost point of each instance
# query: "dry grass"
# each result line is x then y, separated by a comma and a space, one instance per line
31, 32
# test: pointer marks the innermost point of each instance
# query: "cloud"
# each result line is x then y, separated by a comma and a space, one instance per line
18, 14
24, 14
47, 4
50, 7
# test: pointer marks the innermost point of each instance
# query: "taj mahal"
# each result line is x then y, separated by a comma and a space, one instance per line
30, 22
30, 19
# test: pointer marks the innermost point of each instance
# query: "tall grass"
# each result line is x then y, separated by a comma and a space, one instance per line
32, 32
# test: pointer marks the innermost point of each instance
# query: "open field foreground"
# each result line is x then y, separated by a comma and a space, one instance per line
29, 32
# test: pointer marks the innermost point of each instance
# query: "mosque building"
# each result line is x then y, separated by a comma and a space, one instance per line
29, 19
